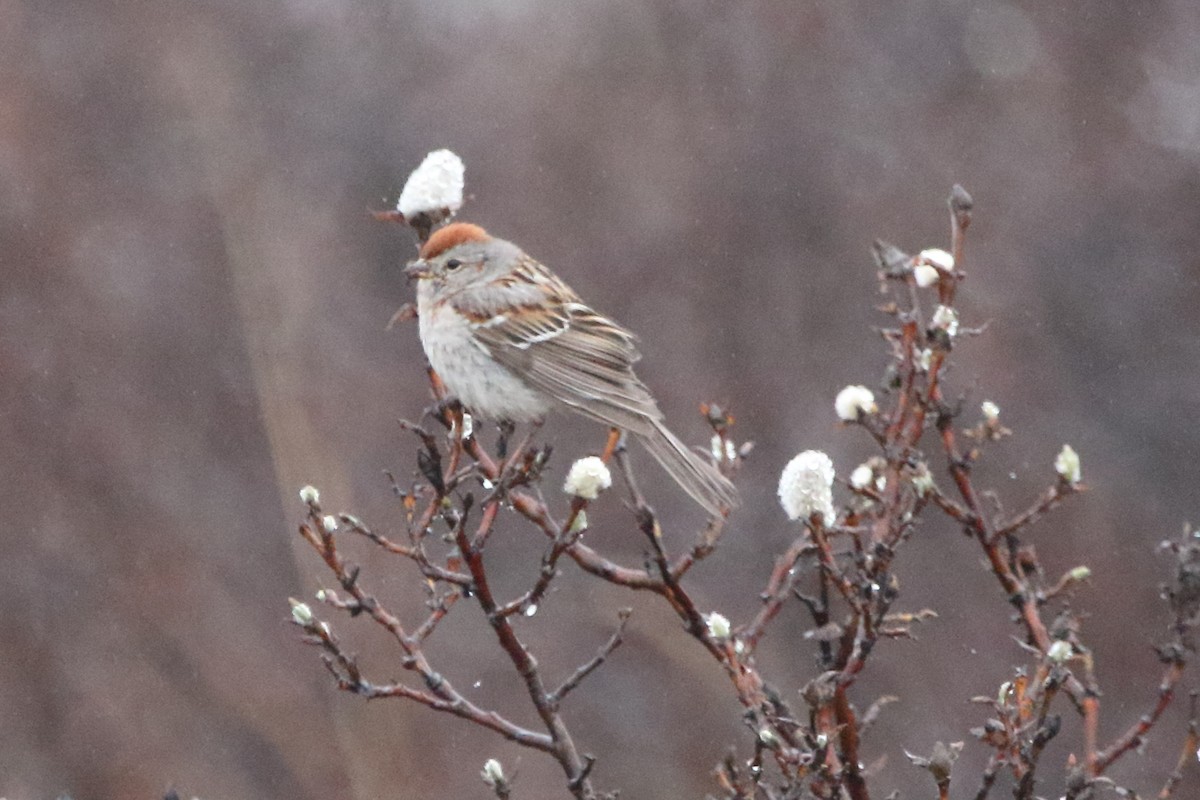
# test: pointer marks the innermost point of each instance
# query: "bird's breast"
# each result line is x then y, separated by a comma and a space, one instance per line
485, 387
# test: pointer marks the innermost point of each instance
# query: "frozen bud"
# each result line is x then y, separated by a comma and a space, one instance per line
854, 400
936, 257
435, 186
806, 486
579, 524
718, 625
301, 613
768, 737
922, 480
329, 523
1080, 574
925, 275
587, 478
862, 476
991, 411
492, 773
1060, 651
1066, 464
310, 496
945, 318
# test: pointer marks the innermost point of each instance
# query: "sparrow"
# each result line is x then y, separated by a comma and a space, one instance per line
513, 342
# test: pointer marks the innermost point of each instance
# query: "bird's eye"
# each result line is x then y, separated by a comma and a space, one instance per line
453, 264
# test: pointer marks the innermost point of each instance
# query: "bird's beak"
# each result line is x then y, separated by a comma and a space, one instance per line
417, 269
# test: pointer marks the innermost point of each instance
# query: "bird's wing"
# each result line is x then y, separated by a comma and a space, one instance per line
539, 329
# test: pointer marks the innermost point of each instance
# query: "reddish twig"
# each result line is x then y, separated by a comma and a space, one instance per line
564, 748
440, 694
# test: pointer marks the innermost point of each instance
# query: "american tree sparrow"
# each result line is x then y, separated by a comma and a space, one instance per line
511, 341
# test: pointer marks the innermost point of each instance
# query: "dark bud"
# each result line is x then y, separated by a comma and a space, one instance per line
430, 464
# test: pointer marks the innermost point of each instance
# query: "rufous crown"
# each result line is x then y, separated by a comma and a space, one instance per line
452, 235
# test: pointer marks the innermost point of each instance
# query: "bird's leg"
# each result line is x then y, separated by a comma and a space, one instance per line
506, 430
440, 391
614, 439
446, 409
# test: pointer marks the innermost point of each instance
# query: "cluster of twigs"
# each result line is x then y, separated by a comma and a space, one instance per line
846, 564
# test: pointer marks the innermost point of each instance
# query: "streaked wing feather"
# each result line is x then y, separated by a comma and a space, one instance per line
565, 349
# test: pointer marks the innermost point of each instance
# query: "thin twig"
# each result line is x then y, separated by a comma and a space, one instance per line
565, 751
585, 669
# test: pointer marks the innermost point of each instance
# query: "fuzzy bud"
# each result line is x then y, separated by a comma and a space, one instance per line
806, 486
1060, 651
922, 480
1081, 573
923, 359
580, 523
925, 275
310, 496
946, 319
853, 401
936, 257
434, 187
492, 773
718, 625
587, 478
1067, 465
768, 737
862, 477
301, 613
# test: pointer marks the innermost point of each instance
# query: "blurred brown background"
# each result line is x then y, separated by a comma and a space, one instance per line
192, 301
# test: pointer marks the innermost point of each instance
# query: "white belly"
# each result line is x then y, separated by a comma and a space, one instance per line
484, 387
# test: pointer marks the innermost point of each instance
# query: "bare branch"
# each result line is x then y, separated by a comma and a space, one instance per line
587, 668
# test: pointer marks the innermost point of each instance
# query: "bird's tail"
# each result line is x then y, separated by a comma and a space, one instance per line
698, 477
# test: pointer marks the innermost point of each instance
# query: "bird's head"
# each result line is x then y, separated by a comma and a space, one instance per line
461, 255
